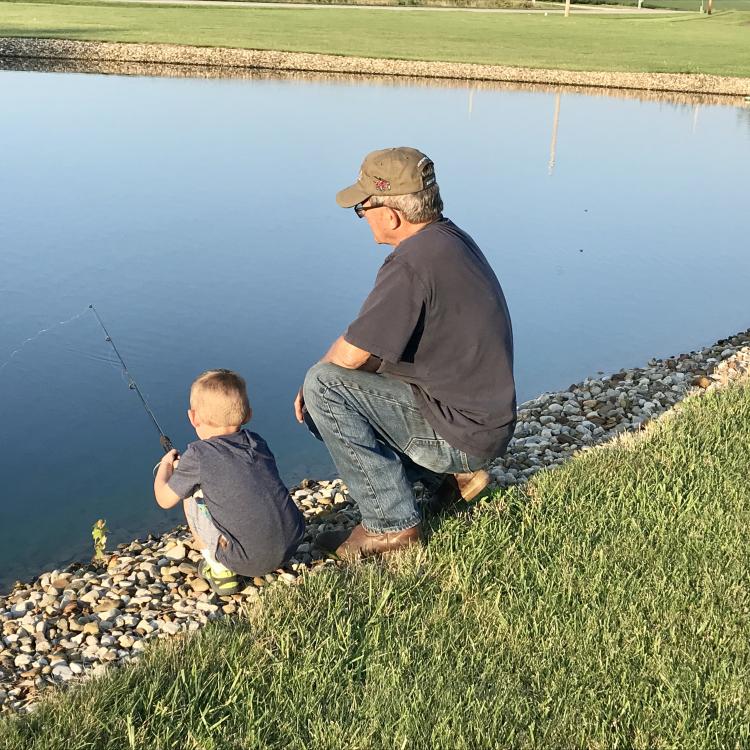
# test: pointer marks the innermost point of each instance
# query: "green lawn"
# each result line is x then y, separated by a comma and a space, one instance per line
694, 5
686, 43
605, 606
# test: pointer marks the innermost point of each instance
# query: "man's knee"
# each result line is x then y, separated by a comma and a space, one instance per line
318, 381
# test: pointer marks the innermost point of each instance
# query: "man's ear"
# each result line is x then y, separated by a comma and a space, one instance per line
193, 417
394, 218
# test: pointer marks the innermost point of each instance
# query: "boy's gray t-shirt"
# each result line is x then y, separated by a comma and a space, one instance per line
246, 498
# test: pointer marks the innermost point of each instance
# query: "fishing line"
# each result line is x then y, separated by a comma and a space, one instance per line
166, 443
54, 326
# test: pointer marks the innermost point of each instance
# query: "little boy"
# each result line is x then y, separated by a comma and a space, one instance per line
243, 519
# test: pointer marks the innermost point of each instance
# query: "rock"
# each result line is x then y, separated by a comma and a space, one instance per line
90, 597
91, 628
20, 609
60, 582
171, 628
199, 585
149, 568
145, 627
62, 672
23, 660
178, 552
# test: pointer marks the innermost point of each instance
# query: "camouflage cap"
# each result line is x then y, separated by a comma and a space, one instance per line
391, 171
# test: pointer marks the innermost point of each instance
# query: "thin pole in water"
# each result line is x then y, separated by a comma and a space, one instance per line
166, 443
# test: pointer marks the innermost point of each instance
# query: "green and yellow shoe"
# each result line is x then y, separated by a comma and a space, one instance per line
223, 584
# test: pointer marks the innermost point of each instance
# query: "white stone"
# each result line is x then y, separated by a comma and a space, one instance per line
23, 660
178, 552
62, 672
171, 628
145, 626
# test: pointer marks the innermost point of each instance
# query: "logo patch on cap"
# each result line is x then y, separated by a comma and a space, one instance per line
382, 185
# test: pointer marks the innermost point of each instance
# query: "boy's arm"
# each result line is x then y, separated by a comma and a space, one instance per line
166, 497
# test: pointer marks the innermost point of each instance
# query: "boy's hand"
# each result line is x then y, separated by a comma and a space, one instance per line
167, 465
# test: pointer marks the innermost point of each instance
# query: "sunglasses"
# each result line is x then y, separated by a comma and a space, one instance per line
360, 210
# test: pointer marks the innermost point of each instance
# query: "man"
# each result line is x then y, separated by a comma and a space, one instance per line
420, 386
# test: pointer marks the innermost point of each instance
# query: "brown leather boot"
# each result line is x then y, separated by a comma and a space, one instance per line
472, 483
363, 543
458, 487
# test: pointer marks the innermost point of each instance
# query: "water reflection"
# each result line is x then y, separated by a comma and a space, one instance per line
555, 125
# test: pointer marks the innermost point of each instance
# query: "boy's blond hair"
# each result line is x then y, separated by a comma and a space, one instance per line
219, 398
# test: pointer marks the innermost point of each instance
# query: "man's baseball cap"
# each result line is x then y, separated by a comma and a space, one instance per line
392, 171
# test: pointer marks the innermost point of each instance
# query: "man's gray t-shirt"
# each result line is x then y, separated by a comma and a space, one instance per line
246, 498
438, 319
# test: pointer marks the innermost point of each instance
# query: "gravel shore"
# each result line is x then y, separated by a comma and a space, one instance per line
221, 57
80, 621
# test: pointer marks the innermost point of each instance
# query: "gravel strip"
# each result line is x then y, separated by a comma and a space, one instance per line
554, 426
166, 70
86, 619
63, 49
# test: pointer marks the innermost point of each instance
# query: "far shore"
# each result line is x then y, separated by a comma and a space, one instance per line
157, 59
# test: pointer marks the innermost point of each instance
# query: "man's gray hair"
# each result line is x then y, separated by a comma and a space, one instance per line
417, 208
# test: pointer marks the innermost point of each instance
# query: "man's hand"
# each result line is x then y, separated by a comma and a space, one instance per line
299, 407
345, 355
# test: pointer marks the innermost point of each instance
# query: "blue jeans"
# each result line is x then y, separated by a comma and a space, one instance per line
379, 441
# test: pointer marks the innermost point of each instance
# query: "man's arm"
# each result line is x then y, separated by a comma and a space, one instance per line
343, 354
165, 496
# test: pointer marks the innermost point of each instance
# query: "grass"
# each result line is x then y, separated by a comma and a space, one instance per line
605, 606
692, 5
683, 44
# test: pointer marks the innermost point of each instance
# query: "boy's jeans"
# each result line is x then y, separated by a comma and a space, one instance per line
379, 441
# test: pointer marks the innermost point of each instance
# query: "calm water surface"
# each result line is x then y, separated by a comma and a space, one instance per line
198, 216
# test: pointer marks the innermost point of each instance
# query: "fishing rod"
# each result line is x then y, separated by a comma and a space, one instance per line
166, 443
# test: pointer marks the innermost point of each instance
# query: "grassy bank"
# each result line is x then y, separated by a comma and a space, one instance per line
688, 44
607, 605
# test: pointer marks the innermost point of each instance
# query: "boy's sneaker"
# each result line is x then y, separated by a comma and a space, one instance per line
223, 584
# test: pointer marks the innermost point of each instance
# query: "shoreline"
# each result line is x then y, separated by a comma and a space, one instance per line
81, 621
39, 51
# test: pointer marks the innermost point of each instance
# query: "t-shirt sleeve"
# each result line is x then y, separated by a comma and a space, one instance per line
186, 476
390, 313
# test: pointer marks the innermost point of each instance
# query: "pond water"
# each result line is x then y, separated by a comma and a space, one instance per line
198, 216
